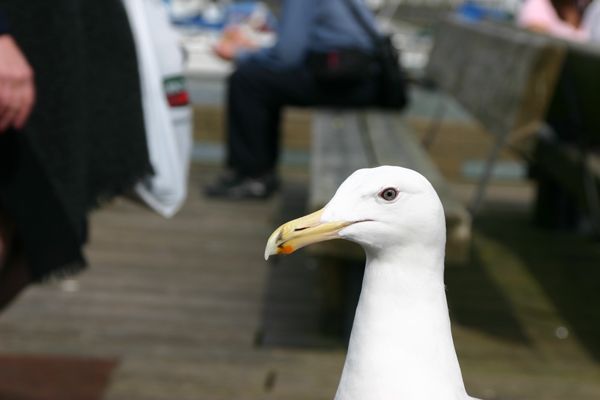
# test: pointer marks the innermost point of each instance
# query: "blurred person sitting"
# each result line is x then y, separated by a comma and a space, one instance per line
561, 18
577, 20
268, 79
71, 131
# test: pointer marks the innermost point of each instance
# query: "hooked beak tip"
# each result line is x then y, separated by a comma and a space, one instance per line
301, 232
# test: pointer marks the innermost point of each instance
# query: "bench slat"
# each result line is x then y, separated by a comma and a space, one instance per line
337, 151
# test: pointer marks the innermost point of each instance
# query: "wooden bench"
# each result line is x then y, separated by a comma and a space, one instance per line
513, 81
504, 77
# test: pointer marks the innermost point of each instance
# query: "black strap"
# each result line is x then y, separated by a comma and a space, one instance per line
358, 16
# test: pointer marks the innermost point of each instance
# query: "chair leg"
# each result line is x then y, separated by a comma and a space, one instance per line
487, 175
436, 123
592, 196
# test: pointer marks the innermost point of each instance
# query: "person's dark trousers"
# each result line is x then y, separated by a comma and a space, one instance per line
256, 96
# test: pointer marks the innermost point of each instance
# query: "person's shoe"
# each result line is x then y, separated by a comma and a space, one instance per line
230, 185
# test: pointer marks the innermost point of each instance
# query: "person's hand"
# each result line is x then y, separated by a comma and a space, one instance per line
225, 50
17, 89
233, 40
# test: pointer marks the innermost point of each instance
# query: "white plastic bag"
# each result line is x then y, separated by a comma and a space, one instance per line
167, 112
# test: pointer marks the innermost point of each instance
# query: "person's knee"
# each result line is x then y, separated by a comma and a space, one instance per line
248, 73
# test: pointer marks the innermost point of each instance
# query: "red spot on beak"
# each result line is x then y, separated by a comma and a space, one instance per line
286, 249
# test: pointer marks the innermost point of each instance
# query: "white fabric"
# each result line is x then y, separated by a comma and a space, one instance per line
168, 129
591, 21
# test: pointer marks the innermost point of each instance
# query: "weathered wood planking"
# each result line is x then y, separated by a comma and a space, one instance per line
337, 150
178, 302
502, 75
165, 310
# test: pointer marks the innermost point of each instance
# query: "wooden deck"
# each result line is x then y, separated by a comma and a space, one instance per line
180, 305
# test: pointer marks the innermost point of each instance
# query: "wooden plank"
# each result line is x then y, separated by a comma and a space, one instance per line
502, 75
337, 151
339, 148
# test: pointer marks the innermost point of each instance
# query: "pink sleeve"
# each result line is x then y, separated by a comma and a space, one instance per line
536, 13
541, 14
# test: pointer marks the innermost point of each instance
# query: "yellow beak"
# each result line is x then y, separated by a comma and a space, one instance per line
301, 232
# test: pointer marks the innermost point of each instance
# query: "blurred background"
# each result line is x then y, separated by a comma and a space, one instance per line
186, 307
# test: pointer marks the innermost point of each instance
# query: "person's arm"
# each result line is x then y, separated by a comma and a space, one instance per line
17, 91
293, 34
540, 16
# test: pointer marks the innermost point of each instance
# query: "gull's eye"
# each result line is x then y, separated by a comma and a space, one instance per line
389, 194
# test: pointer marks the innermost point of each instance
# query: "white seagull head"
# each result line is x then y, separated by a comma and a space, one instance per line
381, 208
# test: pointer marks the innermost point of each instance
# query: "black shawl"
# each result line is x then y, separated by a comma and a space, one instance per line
85, 141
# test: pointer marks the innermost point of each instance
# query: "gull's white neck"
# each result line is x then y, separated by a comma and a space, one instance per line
401, 346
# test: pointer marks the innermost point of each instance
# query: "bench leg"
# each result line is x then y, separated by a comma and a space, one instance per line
435, 124
487, 175
592, 196
340, 285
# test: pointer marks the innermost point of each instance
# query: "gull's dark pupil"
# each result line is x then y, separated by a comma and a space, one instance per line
389, 194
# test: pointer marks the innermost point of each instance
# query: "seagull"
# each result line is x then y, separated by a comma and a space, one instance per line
401, 345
